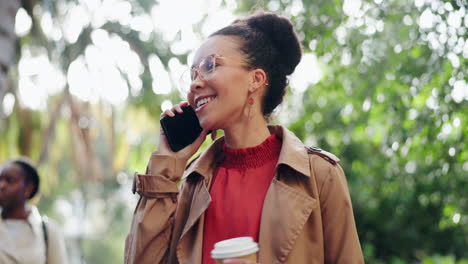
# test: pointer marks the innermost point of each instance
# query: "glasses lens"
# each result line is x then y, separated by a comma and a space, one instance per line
204, 69
185, 80
207, 66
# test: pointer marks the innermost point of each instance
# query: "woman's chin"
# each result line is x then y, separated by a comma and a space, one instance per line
207, 125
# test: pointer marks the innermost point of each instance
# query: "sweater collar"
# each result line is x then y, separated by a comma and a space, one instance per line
293, 154
252, 157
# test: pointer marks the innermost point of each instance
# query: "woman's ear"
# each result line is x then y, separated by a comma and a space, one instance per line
28, 189
259, 80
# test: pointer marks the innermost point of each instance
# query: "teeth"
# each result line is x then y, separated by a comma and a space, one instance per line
205, 101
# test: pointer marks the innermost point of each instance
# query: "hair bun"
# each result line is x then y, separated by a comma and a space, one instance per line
281, 32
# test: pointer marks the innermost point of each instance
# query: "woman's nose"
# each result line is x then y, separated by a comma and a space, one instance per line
196, 84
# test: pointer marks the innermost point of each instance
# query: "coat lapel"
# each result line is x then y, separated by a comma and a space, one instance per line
200, 202
203, 169
279, 231
286, 209
199, 173
189, 248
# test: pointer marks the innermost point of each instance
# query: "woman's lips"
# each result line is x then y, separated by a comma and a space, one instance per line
203, 102
198, 109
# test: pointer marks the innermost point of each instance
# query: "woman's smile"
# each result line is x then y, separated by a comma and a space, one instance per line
202, 101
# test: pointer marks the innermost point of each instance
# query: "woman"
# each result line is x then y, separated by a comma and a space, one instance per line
257, 180
25, 237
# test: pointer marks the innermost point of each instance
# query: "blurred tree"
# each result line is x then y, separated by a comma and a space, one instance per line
8, 11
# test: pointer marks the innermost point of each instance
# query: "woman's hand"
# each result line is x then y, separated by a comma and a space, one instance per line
187, 152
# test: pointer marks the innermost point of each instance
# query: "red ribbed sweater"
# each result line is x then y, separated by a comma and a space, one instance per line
238, 190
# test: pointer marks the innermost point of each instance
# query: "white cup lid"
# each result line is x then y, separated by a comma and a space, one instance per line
234, 247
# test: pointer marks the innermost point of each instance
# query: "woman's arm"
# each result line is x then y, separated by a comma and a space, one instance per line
149, 237
341, 241
153, 219
56, 252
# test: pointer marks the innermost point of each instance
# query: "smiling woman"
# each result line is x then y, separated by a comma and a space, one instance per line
257, 181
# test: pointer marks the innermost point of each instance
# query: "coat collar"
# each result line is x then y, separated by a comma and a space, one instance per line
293, 154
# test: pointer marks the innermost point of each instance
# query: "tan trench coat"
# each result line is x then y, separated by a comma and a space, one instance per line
307, 215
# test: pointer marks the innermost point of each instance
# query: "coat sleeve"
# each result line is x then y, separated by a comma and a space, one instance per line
150, 232
341, 240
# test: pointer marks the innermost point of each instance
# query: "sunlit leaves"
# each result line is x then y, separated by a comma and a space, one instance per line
392, 106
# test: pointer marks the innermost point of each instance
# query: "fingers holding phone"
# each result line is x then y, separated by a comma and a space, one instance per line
175, 109
181, 133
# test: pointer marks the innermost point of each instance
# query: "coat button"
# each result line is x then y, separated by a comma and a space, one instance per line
315, 148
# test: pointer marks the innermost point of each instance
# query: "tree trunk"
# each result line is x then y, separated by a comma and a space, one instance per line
83, 151
49, 133
8, 9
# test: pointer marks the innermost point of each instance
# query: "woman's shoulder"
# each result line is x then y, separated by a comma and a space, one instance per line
323, 164
53, 229
293, 146
322, 155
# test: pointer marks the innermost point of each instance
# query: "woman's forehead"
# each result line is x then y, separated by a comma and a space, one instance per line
227, 46
11, 170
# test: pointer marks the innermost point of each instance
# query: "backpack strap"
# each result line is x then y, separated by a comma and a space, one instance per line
46, 237
324, 154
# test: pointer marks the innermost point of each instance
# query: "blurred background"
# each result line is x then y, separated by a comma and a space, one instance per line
382, 84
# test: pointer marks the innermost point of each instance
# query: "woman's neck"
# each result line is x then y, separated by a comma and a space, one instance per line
18, 212
247, 134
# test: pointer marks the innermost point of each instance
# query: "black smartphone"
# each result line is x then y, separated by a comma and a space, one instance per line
182, 129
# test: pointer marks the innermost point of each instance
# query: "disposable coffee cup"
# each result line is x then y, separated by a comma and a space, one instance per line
243, 248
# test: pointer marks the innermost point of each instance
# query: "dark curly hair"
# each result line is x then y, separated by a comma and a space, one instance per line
269, 43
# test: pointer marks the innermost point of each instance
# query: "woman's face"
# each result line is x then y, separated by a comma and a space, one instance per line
13, 186
225, 93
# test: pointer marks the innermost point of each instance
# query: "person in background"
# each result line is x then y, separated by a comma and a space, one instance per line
25, 236
258, 180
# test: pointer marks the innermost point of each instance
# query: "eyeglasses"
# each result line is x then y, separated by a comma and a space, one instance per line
204, 70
